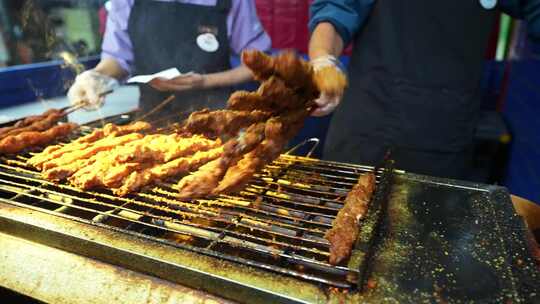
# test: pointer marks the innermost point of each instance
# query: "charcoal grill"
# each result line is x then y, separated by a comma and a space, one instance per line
267, 243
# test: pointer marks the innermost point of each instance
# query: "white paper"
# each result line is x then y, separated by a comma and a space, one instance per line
167, 74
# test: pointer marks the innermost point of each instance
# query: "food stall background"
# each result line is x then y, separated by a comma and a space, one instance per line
38, 36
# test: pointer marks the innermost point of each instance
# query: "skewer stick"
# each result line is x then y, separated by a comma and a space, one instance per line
158, 107
74, 108
82, 103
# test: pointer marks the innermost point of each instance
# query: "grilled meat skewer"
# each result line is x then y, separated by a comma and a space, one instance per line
24, 140
110, 129
93, 174
103, 144
28, 121
223, 122
259, 63
138, 179
239, 175
109, 157
64, 171
278, 131
56, 151
34, 118
53, 152
202, 182
287, 92
128, 162
345, 226
273, 96
248, 101
40, 125
296, 73
115, 166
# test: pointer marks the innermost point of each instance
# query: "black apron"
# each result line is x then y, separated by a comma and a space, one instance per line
414, 83
164, 35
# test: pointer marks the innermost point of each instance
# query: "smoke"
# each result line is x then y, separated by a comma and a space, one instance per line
70, 62
36, 24
39, 29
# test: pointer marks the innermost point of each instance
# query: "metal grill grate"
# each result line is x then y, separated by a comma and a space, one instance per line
276, 223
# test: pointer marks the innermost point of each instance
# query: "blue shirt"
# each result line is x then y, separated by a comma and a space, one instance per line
348, 16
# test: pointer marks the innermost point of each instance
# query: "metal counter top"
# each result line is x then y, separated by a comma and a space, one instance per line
55, 276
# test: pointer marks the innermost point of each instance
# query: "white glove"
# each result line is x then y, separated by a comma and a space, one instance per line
325, 61
331, 81
326, 104
89, 87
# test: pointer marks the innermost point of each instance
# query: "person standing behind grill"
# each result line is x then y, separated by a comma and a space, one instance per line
144, 37
413, 77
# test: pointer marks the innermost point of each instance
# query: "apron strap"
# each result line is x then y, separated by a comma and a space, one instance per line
224, 5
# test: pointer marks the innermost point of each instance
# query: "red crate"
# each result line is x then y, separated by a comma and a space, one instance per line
286, 21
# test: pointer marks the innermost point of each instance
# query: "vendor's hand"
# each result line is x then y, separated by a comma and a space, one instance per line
331, 82
180, 83
89, 88
326, 104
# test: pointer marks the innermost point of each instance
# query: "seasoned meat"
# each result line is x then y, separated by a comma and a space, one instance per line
28, 139
345, 227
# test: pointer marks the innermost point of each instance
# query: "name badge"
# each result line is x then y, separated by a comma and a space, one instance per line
488, 4
208, 42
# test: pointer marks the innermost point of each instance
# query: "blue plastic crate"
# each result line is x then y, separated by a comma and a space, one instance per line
26, 83
521, 111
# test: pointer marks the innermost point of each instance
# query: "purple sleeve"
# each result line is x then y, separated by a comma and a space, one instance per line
116, 42
245, 29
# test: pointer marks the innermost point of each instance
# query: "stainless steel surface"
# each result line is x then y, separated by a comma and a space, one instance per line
56, 276
452, 241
